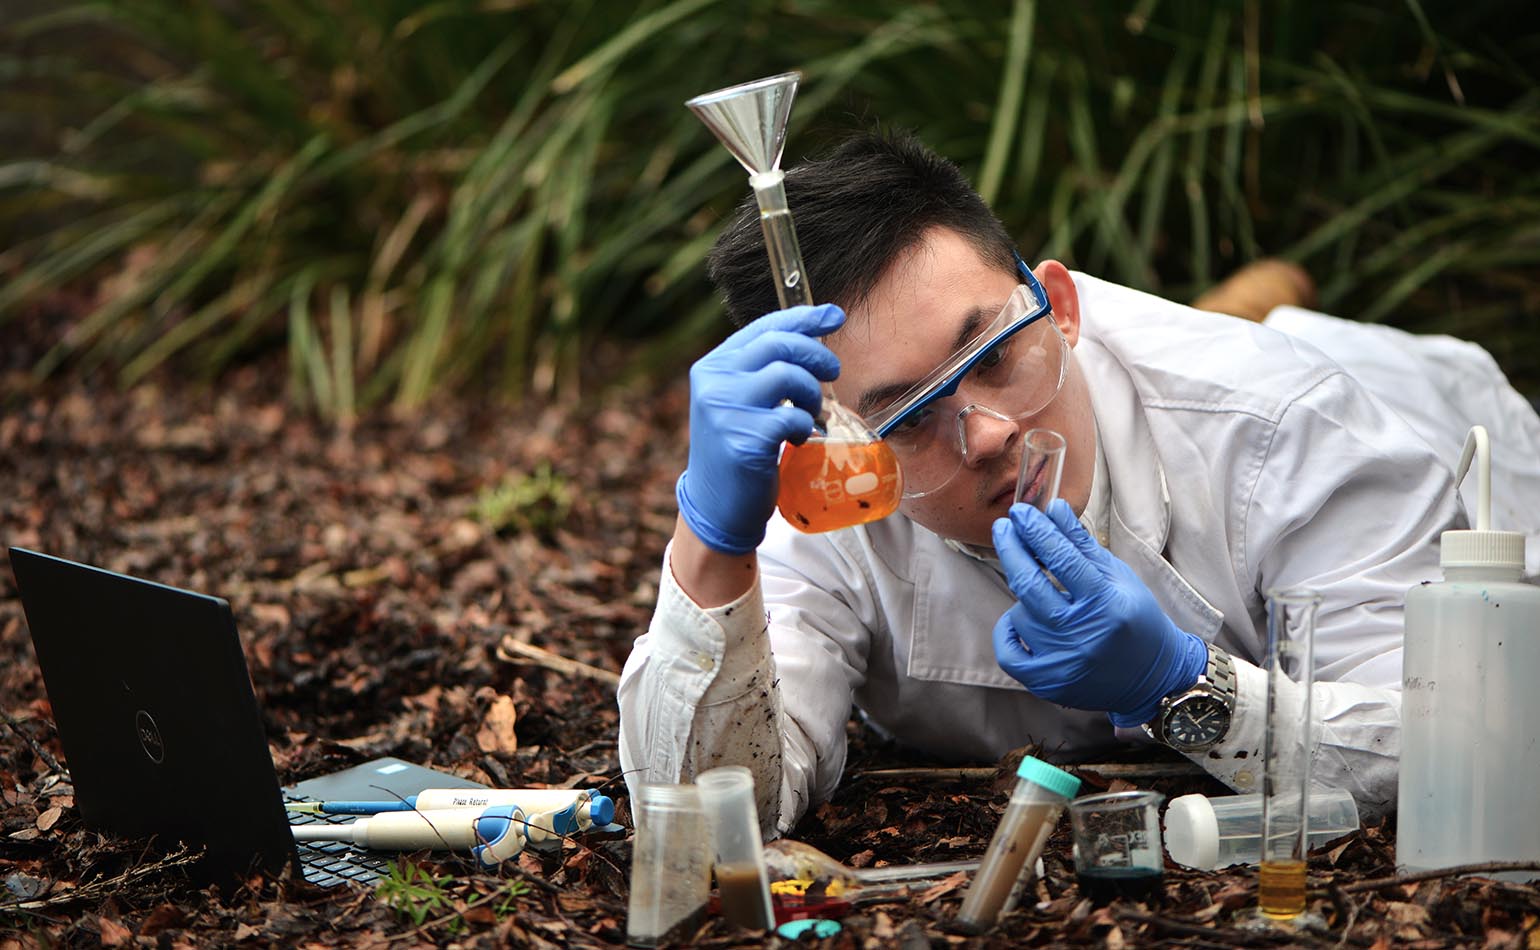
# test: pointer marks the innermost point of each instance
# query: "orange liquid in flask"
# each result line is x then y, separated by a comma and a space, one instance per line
833, 483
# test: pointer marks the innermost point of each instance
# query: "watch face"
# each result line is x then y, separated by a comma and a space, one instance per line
1196, 722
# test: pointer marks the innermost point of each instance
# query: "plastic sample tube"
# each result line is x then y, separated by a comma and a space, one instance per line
670, 865
727, 798
1286, 746
1036, 803
1042, 465
1211, 833
492, 835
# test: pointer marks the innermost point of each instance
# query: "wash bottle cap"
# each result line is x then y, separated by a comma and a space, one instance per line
1192, 831
1481, 547
1056, 780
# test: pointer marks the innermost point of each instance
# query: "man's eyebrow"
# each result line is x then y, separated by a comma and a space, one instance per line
882, 395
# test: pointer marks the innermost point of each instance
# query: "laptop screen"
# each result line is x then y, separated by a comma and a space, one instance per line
156, 714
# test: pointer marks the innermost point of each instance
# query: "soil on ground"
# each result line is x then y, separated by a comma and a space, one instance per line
389, 578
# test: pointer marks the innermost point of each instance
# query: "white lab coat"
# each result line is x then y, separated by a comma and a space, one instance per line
1239, 460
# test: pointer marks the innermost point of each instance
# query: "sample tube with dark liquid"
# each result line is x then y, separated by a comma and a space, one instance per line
1036, 803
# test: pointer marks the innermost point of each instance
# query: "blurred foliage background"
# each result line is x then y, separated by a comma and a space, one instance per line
508, 198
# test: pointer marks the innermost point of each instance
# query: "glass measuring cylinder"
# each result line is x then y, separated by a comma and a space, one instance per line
670, 866
843, 475
1042, 465
743, 883
1117, 845
1286, 751
1036, 803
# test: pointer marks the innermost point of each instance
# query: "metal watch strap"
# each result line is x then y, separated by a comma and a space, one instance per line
1220, 672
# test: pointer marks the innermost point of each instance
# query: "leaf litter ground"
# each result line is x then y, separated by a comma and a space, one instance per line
401, 587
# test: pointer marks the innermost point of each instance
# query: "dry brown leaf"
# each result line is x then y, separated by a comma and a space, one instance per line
49, 818
113, 933
496, 733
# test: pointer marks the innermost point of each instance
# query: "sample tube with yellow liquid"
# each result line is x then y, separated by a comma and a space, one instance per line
844, 474
1286, 746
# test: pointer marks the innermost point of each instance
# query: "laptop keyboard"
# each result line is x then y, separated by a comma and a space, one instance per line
329, 863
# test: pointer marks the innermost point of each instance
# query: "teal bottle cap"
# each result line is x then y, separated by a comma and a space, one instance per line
817, 926
1054, 779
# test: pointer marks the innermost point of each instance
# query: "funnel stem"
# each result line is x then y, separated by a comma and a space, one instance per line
791, 286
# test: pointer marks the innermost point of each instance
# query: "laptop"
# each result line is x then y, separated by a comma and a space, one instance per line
159, 722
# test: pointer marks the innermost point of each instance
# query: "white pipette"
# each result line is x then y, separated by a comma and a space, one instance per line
493, 834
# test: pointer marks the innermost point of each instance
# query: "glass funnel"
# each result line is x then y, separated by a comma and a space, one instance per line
843, 475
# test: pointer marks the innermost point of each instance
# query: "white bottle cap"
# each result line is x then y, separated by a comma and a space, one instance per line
1481, 547
1192, 832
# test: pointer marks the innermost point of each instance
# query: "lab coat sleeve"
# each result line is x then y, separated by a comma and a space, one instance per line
1347, 501
702, 688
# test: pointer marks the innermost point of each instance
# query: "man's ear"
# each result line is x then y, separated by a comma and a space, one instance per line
1063, 296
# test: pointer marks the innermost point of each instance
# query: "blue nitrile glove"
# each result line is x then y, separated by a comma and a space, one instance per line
737, 422
1102, 643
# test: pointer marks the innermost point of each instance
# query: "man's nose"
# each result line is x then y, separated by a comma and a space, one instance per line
985, 434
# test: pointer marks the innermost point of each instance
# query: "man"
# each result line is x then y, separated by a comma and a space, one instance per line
1209, 460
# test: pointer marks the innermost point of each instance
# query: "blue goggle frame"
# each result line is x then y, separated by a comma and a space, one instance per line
951, 376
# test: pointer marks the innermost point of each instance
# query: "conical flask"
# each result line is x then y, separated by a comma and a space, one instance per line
843, 475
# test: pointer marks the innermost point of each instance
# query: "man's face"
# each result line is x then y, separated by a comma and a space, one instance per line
911, 322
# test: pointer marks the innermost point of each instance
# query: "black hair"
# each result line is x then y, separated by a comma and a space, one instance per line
857, 209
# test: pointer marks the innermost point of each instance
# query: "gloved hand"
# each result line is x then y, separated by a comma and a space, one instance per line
1103, 642
737, 422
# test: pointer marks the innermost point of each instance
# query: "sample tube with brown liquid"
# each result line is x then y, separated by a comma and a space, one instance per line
1036, 803
743, 884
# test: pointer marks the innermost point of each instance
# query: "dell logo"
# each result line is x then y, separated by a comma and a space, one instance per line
149, 737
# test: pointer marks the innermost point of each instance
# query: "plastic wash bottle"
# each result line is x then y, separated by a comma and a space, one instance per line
1470, 701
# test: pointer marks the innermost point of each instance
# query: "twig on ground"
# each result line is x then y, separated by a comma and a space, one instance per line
515, 651
1456, 871
94, 890
32, 744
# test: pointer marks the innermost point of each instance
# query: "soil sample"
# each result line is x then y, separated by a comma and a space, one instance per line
742, 893
1007, 865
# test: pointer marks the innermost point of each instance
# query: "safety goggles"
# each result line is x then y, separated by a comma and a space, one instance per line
1011, 369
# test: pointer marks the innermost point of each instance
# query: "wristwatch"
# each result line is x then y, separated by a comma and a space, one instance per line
1197, 718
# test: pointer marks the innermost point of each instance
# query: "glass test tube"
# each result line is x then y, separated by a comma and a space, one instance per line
1042, 465
1286, 751
743, 884
1036, 803
670, 866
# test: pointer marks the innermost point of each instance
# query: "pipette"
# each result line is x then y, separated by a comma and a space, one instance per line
550, 811
492, 835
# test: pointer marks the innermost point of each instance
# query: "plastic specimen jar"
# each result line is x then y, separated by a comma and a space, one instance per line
670, 866
1117, 845
727, 797
1036, 803
1212, 833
